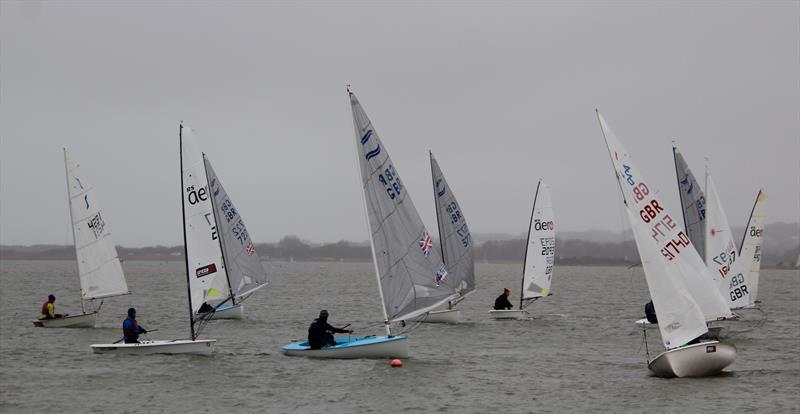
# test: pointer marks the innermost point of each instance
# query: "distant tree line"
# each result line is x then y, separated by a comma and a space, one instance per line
568, 252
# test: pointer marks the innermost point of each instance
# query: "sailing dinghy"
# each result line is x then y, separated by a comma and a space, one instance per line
412, 278
99, 268
238, 258
455, 242
540, 251
676, 276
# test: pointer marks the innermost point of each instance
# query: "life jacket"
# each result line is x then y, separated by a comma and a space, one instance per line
134, 329
46, 310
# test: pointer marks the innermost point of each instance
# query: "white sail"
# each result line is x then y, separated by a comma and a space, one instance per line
208, 281
99, 267
245, 272
749, 263
454, 235
693, 203
541, 247
721, 254
658, 232
412, 276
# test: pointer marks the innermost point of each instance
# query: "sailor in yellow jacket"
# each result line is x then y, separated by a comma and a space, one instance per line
49, 309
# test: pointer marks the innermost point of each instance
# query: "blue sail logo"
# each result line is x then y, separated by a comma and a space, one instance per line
374, 153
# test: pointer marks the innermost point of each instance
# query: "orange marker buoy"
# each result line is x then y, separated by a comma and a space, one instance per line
396, 363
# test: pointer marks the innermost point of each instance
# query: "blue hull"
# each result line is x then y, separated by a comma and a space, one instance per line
354, 347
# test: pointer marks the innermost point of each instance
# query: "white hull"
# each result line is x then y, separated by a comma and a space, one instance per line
508, 314
231, 312
442, 316
698, 360
645, 323
714, 327
87, 320
357, 347
178, 346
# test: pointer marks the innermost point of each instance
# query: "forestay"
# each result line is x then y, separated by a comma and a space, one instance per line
413, 278
99, 267
749, 262
693, 203
674, 270
456, 241
541, 248
721, 252
207, 279
245, 272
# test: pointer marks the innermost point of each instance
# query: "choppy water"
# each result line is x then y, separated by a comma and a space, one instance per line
580, 353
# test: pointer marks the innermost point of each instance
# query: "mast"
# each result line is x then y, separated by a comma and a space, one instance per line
750, 220
680, 196
72, 223
369, 229
219, 236
185, 252
527, 244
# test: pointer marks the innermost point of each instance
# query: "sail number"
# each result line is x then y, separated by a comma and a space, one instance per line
463, 232
725, 260
96, 225
391, 182
737, 288
453, 212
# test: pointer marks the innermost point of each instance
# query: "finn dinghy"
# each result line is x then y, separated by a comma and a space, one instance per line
676, 275
540, 250
455, 242
412, 278
214, 289
99, 268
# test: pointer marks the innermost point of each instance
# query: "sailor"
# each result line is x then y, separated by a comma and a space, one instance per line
502, 301
131, 328
320, 333
49, 309
650, 312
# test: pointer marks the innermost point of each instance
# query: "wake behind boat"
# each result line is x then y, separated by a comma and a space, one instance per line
99, 269
676, 276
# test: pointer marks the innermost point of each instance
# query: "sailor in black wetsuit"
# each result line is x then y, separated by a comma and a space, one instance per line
650, 312
502, 301
320, 333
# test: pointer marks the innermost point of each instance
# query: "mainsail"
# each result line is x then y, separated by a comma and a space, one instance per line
677, 278
749, 262
245, 272
99, 268
693, 203
541, 247
721, 255
454, 236
208, 281
412, 276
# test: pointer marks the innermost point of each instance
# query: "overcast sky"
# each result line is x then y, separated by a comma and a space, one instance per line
502, 93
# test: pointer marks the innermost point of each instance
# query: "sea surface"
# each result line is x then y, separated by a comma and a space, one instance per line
580, 352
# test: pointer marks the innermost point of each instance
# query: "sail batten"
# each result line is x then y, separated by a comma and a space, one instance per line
411, 274
99, 268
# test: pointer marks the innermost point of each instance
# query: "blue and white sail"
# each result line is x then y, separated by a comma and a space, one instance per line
245, 272
412, 276
693, 203
454, 236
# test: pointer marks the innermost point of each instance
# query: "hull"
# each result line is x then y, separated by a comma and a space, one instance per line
178, 346
644, 323
508, 314
354, 347
87, 320
714, 327
442, 316
228, 312
697, 360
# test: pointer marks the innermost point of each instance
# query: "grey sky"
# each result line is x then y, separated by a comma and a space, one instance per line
503, 93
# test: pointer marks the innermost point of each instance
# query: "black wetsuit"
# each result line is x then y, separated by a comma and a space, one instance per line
650, 312
320, 333
502, 302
